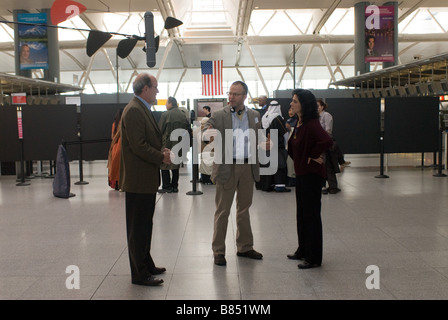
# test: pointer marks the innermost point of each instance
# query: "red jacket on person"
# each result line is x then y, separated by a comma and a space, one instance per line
309, 140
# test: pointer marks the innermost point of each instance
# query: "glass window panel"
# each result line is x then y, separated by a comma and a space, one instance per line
419, 23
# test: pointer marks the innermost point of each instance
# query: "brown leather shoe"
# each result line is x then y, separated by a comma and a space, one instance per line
157, 271
150, 281
252, 254
220, 260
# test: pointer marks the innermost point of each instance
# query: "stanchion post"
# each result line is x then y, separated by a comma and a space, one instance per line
22, 151
195, 167
50, 175
81, 176
439, 171
382, 175
423, 162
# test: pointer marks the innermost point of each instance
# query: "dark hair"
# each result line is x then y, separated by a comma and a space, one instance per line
140, 83
117, 119
308, 103
322, 103
173, 101
207, 108
241, 83
369, 37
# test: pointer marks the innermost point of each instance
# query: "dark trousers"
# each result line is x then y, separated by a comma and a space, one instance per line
309, 222
338, 151
170, 181
331, 172
139, 214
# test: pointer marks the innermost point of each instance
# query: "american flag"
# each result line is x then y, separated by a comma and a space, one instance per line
211, 78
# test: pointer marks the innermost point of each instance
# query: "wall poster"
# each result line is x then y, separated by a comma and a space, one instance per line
33, 41
379, 33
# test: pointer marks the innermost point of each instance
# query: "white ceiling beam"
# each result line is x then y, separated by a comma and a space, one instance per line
109, 63
340, 20
165, 57
68, 54
86, 73
326, 16
254, 40
327, 62
134, 74
345, 55
180, 81
243, 19
292, 21
305, 65
260, 76
267, 22
437, 21
287, 70
411, 10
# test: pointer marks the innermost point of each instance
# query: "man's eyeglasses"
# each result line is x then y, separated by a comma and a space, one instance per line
234, 94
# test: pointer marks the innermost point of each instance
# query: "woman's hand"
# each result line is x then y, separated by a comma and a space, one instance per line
319, 160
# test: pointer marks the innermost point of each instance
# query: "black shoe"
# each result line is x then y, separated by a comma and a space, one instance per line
252, 254
157, 271
220, 260
294, 256
334, 190
324, 191
150, 282
282, 189
307, 265
175, 190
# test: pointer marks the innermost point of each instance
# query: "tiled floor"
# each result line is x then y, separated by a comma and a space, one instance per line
399, 224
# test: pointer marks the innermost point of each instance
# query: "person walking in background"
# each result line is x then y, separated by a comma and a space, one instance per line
207, 155
238, 176
113, 159
331, 156
263, 103
171, 120
291, 123
331, 163
208, 111
141, 157
306, 147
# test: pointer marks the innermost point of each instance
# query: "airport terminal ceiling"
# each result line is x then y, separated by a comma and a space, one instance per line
256, 39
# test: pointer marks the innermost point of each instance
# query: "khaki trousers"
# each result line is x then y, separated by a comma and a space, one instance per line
241, 181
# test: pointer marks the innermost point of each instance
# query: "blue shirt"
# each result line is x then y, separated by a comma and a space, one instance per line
144, 102
241, 143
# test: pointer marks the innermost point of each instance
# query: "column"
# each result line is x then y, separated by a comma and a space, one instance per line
395, 62
360, 46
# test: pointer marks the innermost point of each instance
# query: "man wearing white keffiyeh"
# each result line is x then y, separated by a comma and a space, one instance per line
273, 120
274, 110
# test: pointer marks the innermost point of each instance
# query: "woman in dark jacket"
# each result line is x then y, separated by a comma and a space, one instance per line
306, 147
